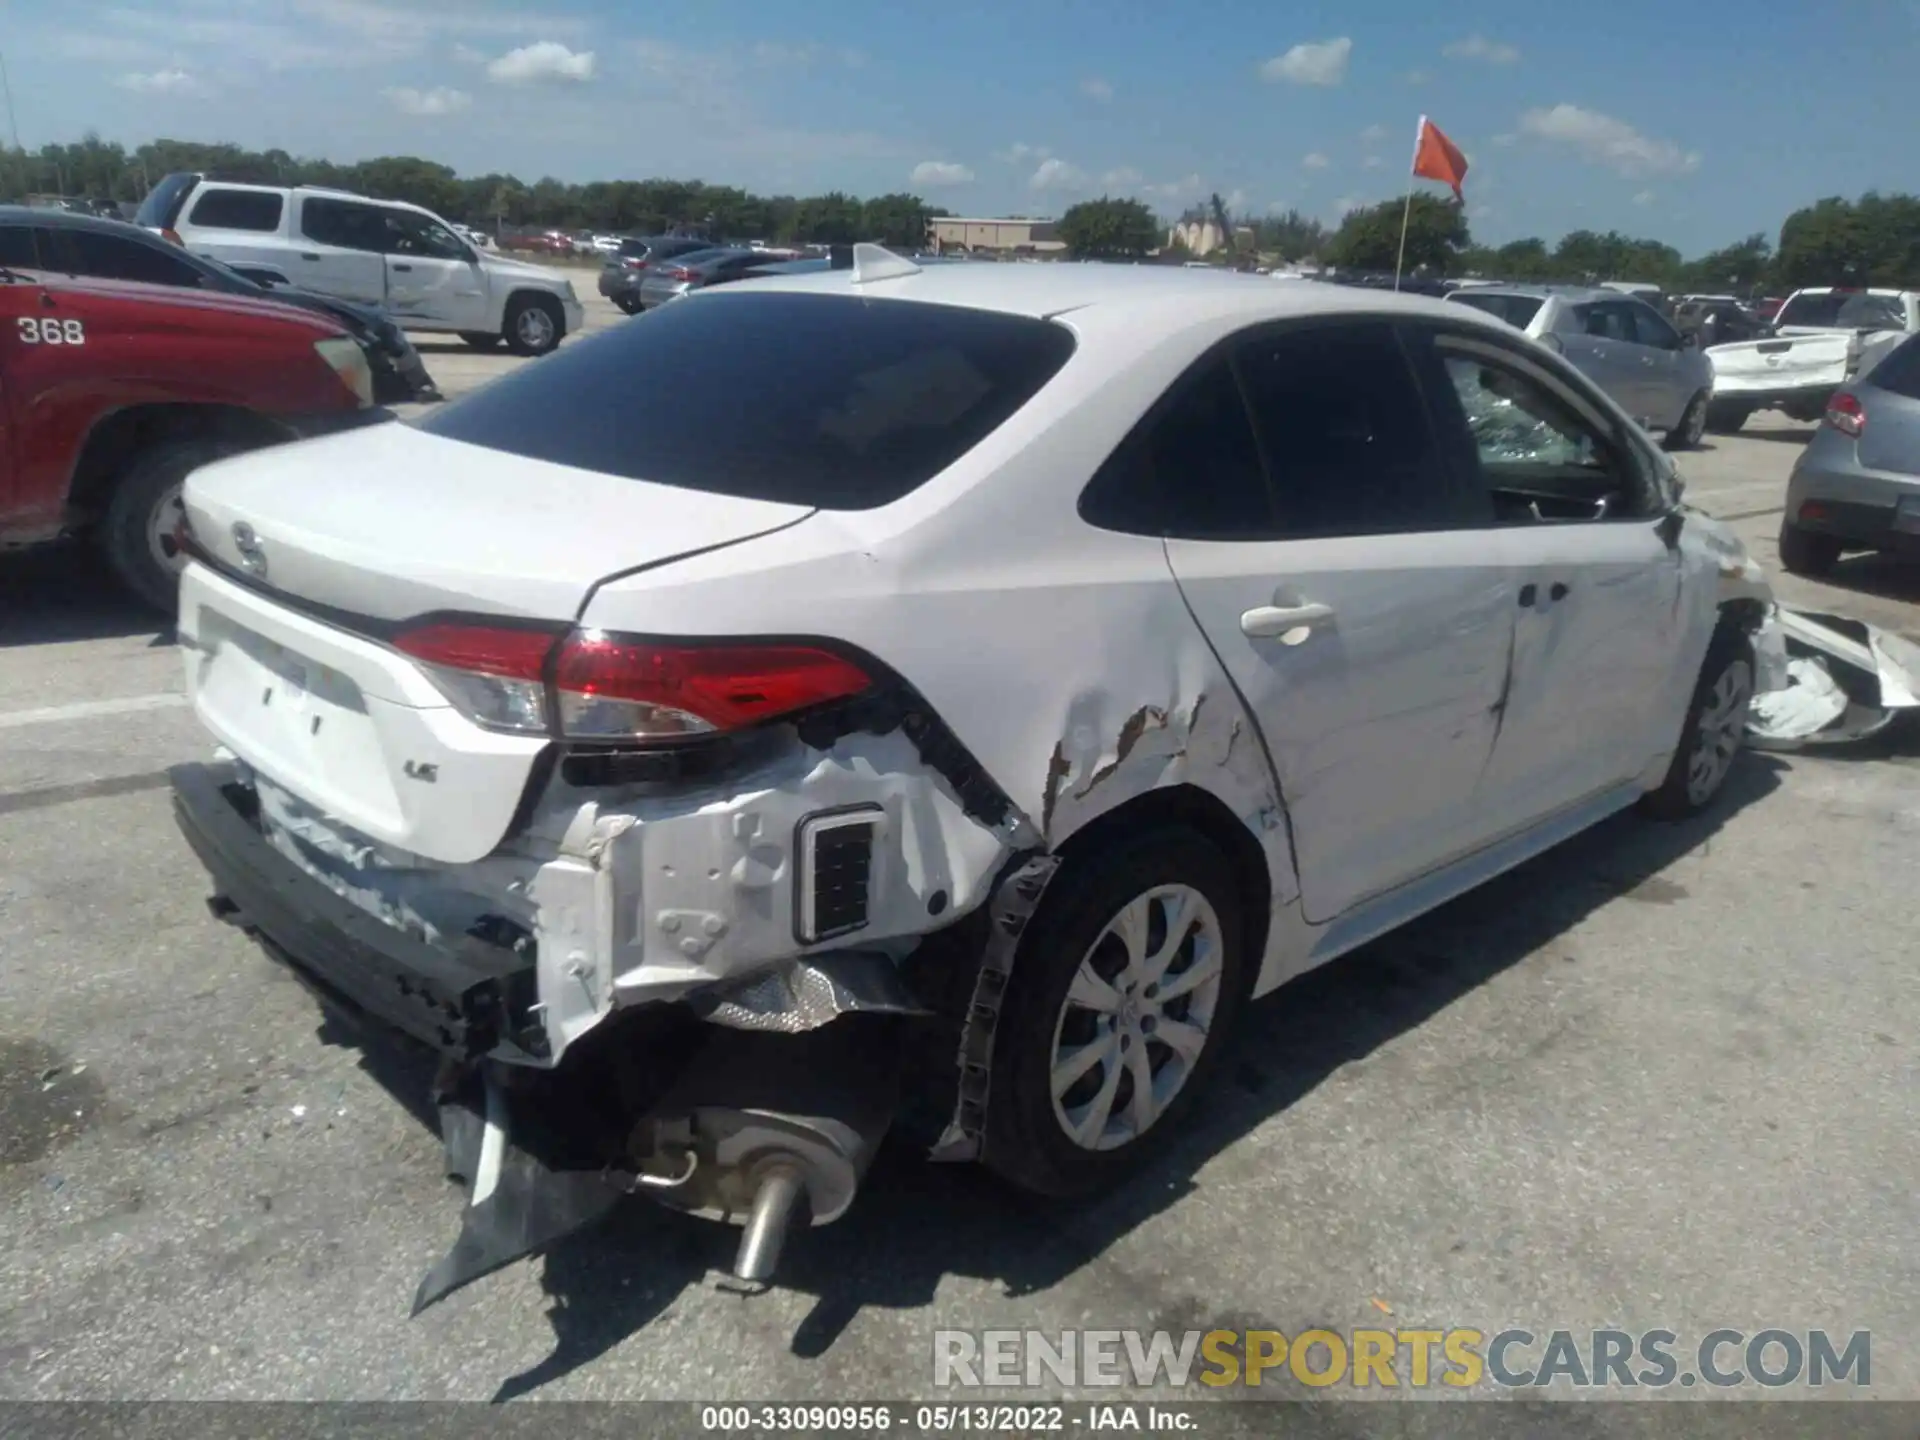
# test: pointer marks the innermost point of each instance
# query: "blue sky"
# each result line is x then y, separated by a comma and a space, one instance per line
1693, 121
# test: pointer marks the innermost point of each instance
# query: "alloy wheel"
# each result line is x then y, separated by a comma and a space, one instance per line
1723, 720
162, 523
1136, 1017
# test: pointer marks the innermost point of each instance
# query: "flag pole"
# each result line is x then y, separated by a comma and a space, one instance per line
1405, 215
1406, 212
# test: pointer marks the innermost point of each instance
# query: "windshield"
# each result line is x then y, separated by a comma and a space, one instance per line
1516, 310
824, 400
162, 205
1843, 310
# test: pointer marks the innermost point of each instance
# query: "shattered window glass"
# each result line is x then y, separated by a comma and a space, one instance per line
1506, 428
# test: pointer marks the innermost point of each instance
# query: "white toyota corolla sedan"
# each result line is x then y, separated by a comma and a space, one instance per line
1008, 670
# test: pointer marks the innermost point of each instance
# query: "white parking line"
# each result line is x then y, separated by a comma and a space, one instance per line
91, 709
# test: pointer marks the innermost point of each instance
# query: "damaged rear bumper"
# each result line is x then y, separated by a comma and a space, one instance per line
464, 1001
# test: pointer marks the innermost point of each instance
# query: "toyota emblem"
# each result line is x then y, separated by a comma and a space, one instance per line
252, 554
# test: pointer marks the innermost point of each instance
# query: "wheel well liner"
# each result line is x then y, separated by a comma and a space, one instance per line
1195, 808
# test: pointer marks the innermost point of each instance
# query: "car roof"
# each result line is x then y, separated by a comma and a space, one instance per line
1573, 294
1879, 290
1143, 301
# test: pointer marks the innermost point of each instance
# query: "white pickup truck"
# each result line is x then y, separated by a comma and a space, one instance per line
1822, 338
397, 258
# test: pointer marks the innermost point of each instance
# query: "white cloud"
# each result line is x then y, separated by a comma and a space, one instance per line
1645, 197
940, 172
545, 62
1124, 178
1478, 47
441, 100
1020, 152
1315, 63
1374, 134
1235, 201
1187, 187
1347, 204
1505, 139
467, 55
1603, 140
161, 82
1315, 161
1094, 88
1418, 77
1057, 174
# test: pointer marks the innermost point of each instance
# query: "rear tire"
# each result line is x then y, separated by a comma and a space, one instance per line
137, 532
1804, 553
535, 324
1711, 734
1693, 424
1725, 417
480, 339
627, 304
1078, 983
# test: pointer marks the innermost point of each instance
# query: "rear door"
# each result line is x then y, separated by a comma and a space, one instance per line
432, 275
1667, 387
1599, 609
1358, 600
341, 249
1605, 347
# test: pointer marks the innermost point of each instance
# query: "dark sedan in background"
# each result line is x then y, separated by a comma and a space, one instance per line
66, 243
626, 267
670, 279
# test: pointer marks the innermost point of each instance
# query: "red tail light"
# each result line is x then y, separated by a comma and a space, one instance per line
612, 688
634, 264
681, 272
1846, 414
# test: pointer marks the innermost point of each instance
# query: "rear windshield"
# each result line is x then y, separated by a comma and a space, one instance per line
1899, 370
1516, 310
1845, 310
162, 205
834, 401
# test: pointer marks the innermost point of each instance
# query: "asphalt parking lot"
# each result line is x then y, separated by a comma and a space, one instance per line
1661, 1077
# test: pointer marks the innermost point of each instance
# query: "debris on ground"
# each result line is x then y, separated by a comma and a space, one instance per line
1826, 680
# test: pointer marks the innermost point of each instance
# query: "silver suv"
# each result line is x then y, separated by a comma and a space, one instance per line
1623, 345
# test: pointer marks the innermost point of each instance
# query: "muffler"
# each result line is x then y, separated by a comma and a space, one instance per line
780, 1126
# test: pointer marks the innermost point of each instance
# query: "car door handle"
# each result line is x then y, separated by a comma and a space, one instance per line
1269, 622
1557, 591
308, 255
404, 269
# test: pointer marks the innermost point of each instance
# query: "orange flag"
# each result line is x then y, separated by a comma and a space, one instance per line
1437, 158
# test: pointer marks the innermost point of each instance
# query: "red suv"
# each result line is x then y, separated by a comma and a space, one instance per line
111, 392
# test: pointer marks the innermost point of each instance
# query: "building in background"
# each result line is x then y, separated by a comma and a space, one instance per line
1010, 236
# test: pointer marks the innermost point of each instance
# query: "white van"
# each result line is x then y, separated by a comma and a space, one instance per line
397, 258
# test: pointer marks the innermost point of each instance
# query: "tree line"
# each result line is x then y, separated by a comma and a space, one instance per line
95, 169
1874, 240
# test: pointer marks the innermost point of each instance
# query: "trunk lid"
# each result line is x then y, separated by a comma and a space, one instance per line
1783, 363
392, 523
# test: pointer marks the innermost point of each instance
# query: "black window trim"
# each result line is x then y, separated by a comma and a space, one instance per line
1565, 383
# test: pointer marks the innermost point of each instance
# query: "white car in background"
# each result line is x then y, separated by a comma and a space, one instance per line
1049, 656
396, 258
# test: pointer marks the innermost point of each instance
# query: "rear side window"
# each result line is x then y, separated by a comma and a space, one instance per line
835, 401
1345, 433
1607, 321
1190, 471
237, 210
1899, 371
1843, 309
345, 223
17, 248
1650, 328
1517, 310
115, 257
